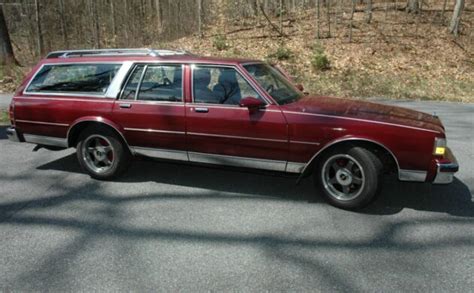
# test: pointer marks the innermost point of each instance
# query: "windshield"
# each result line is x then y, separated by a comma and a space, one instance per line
274, 83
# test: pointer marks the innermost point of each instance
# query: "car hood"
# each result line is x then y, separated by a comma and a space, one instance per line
365, 110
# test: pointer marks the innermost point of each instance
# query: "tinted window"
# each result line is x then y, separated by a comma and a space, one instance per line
132, 84
161, 83
220, 85
74, 78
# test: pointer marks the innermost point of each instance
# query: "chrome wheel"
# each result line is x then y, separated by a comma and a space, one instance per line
98, 153
343, 177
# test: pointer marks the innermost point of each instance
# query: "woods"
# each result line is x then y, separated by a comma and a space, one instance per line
38, 26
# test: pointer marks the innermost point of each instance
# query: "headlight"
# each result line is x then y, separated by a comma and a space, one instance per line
439, 146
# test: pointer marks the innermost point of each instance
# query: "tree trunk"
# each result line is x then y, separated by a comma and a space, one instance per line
328, 14
63, 24
199, 2
318, 15
413, 6
39, 31
457, 12
6, 50
114, 25
95, 22
369, 11
352, 19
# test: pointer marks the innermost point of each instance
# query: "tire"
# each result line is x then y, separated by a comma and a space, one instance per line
348, 177
101, 153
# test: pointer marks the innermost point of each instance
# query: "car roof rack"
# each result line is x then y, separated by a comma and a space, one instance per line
117, 52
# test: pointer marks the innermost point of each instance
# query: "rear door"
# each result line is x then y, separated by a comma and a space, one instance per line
151, 111
219, 131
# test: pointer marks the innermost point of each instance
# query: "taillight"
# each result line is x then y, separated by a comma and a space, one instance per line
11, 113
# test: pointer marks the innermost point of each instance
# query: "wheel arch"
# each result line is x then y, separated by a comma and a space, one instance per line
379, 148
79, 125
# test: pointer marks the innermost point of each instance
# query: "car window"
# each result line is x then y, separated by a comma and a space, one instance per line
74, 78
161, 83
131, 87
220, 85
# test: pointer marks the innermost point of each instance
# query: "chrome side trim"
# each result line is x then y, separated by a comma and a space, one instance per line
237, 161
93, 100
412, 175
304, 142
350, 139
42, 123
161, 153
237, 137
154, 130
359, 119
116, 84
46, 140
293, 167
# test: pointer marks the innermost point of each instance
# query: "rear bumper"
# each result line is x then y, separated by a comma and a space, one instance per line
445, 168
12, 134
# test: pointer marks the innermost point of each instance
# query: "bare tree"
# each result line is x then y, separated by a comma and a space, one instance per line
318, 15
351, 20
413, 6
39, 31
369, 11
328, 14
456, 19
6, 51
63, 23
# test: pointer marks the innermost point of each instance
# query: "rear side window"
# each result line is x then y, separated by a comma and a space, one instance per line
74, 78
162, 83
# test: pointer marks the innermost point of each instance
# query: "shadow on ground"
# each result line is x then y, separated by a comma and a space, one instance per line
3, 132
454, 198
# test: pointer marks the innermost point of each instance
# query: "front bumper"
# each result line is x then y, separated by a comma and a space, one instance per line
12, 134
445, 168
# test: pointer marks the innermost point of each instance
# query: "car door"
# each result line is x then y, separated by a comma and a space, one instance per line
151, 111
219, 131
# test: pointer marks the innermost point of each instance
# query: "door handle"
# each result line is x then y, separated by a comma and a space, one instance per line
127, 106
202, 110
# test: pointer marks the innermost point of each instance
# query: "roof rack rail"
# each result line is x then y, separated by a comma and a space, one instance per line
116, 52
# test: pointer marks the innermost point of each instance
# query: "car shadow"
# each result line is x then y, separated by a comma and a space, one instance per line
454, 198
3, 131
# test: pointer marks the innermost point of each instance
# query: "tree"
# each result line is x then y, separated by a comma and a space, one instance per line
457, 12
413, 6
6, 50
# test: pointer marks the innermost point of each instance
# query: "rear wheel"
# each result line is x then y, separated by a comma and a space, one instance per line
101, 153
348, 177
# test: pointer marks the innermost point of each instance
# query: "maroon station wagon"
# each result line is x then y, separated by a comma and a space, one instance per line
113, 104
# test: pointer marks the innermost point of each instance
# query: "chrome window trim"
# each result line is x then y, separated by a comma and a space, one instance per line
45, 140
412, 175
236, 68
237, 137
84, 94
115, 86
41, 122
359, 119
145, 67
154, 130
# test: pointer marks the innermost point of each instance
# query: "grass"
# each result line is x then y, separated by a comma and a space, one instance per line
4, 119
353, 83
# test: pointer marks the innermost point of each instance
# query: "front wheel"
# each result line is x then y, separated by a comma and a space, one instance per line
101, 153
349, 177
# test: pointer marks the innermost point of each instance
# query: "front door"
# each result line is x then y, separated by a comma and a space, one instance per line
151, 110
219, 131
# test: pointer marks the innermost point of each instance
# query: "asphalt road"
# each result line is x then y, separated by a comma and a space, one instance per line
170, 227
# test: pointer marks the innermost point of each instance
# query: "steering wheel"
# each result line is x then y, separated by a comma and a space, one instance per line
270, 88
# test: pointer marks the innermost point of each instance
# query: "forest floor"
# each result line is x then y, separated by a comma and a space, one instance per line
397, 55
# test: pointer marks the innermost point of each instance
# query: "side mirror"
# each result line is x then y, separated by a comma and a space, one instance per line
253, 104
